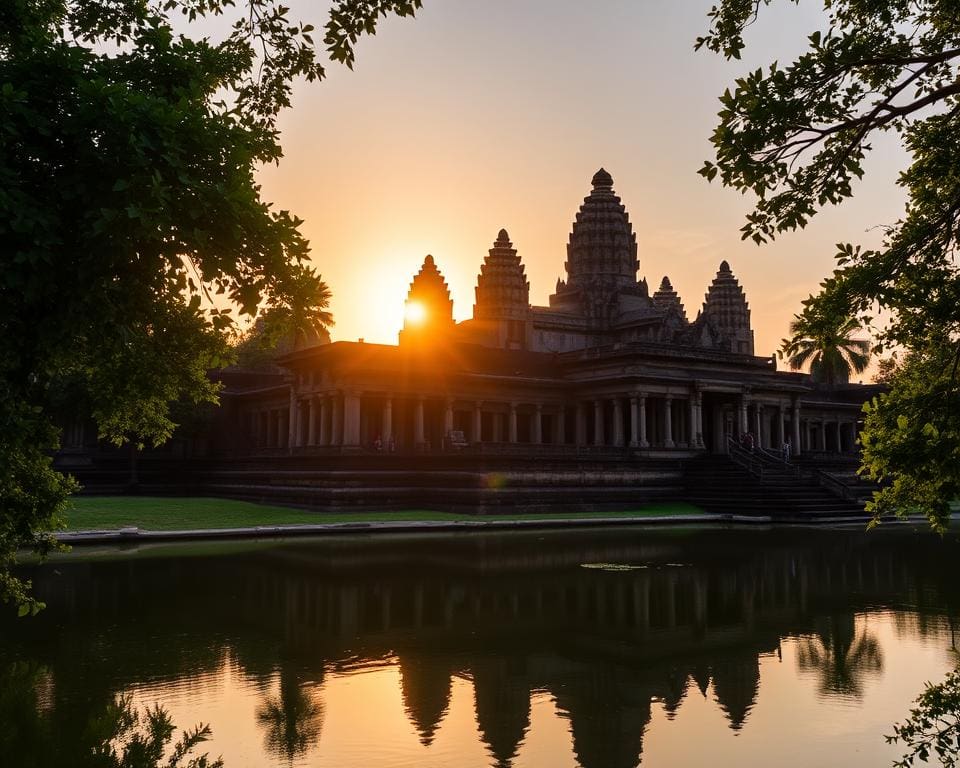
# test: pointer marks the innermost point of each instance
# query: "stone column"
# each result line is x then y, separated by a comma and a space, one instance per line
477, 422
311, 421
758, 417
634, 435
386, 428
795, 424
336, 419
744, 424
324, 420
781, 425
292, 421
448, 418
699, 427
581, 425
560, 430
617, 422
418, 424
300, 438
642, 417
823, 435
598, 422
692, 421
839, 441
512, 428
668, 422
538, 425
283, 433
351, 419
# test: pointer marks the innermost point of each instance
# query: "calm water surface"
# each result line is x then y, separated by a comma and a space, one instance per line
598, 649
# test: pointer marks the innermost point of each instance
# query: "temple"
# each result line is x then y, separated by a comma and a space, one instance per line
608, 396
604, 365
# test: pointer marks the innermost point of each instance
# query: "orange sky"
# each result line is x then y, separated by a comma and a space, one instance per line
481, 115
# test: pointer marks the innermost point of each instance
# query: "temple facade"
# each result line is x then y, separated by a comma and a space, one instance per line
606, 367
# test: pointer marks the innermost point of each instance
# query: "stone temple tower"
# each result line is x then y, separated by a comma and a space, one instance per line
601, 255
667, 300
503, 294
725, 308
429, 308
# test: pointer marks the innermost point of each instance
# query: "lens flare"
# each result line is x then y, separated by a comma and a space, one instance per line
415, 313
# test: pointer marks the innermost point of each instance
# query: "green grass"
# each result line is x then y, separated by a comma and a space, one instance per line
167, 514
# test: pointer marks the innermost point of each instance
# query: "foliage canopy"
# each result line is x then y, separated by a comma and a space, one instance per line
132, 226
795, 137
827, 344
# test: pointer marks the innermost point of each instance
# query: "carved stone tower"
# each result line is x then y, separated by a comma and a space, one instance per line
601, 254
666, 299
503, 294
725, 308
429, 309
502, 288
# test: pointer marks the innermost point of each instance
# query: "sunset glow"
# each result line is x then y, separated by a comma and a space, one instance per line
488, 142
415, 313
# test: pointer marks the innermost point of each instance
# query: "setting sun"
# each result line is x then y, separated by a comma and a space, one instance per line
415, 313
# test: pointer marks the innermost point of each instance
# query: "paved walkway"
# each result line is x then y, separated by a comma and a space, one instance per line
426, 526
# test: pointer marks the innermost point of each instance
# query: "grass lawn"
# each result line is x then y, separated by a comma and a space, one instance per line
166, 514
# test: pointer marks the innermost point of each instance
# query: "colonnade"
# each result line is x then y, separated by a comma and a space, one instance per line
638, 419
771, 424
829, 434
349, 418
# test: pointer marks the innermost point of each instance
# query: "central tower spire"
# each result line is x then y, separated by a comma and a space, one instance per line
601, 253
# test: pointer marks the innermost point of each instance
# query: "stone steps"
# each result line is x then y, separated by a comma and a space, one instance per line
719, 485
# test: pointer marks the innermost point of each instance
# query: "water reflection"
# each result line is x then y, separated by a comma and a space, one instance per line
292, 720
514, 616
841, 656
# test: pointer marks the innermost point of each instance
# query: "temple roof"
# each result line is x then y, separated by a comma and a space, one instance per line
428, 292
502, 288
725, 302
602, 250
602, 179
666, 299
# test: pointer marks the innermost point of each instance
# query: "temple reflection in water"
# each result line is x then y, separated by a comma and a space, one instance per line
641, 626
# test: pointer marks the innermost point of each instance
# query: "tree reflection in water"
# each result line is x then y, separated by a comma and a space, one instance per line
515, 615
842, 656
291, 721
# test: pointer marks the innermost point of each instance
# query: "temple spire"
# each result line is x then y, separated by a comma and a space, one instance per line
725, 307
601, 253
667, 300
428, 312
502, 289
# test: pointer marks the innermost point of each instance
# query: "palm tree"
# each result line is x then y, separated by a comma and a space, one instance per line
291, 721
825, 342
842, 655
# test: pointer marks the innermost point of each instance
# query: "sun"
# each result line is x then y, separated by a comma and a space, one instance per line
415, 313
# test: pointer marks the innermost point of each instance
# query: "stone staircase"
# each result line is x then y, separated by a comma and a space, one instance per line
763, 486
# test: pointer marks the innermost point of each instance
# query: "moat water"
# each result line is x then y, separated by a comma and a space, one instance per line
592, 648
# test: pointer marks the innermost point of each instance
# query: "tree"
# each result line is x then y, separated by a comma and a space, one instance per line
795, 137
131, 224
825, 342
125, 738
842, 656
916, 424
933, 727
